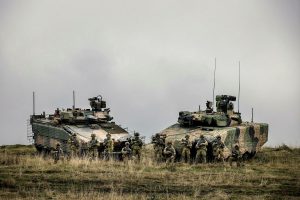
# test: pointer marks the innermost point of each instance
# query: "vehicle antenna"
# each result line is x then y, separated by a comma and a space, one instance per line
73, 100
33, 103
252, 115
214, 83
239, 87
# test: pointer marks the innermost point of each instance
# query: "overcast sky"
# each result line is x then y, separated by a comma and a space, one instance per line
150, 60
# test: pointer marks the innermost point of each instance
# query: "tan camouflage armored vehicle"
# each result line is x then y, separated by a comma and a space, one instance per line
224, 122
48, 130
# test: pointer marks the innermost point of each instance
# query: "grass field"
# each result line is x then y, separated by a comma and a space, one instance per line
274, 173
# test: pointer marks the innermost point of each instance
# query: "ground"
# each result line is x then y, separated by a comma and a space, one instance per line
274, 173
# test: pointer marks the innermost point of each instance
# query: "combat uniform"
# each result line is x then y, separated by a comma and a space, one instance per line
136, 146
93, 147
126, 152
58, 153
169, 153
235, 156
218, 149
84, 149
73, 146
201, 147
186, 151
158, 145
109, 147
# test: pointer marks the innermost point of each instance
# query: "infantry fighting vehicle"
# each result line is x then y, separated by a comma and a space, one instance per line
224, 122
48, 130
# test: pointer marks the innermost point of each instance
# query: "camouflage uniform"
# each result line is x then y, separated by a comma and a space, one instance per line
58, 153
73, 146
186, 151
109, 147
201, 147
218, 149
93, 147
126, 152
158, 145
235, 156
169, 153
83, 149
136, 146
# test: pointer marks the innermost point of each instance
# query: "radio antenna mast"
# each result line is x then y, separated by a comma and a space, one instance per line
239, 87
73, 100
33, 103
214, 83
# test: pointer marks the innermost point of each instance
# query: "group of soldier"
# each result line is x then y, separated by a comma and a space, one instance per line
168, 153
131, 150
163, 151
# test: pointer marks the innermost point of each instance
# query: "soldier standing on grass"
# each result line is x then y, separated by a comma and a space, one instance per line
83, 149
109, 147
169, 153
158, 145
73, 146
186, 151
126, 152
218, 149
93, 147
201, 147
58, 153
136, 146
235, 156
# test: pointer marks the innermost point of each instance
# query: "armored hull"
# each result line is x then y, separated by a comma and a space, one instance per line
250, 137
223, 122
49, 130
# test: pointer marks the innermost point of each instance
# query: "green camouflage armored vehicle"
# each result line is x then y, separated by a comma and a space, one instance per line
224, 122
49, 130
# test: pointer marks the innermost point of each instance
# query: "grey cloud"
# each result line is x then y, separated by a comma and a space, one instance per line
150, 60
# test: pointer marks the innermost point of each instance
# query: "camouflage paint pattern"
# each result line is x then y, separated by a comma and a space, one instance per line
250, 136
58, 128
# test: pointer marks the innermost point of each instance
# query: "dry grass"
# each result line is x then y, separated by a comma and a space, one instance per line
273, 173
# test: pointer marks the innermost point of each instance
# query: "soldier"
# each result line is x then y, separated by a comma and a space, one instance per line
235, 156
209, 108
83, 149
186, 151
73, 146
93, 146
126, 152
158, 145
109, 147
218, 149
58, 153
136, 146
201, 147
169, 153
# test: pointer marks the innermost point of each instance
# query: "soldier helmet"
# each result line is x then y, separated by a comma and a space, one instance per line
187, 136
74, 134
126, 143
236, 146
57, 144
169, 142
108, 135
201, 136
93, 135
218, 137
163, 135
136, 134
